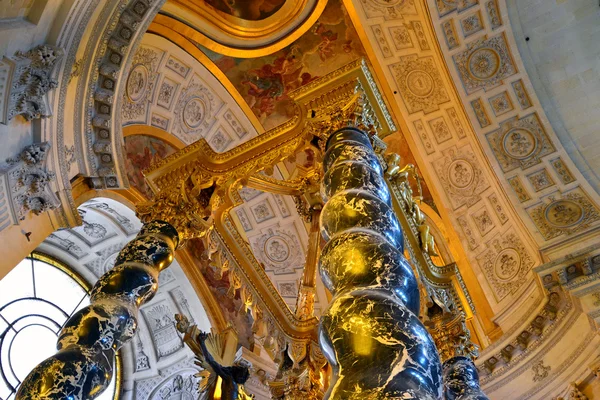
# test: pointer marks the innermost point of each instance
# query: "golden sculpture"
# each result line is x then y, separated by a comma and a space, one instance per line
402, 174
219, 379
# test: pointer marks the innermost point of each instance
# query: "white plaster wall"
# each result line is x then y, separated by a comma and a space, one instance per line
562, 56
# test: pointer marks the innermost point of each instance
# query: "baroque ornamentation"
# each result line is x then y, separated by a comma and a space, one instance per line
419, 84
447, 6
520, 142
117, 40
279, 249
29, 182
505, 263
460, 175
389, 9
540, 371
501, 104
26, 79
484, 64
564, 213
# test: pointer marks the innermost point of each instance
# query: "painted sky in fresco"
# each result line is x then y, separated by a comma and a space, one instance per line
265, 82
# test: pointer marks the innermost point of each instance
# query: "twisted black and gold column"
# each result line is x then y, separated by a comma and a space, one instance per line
371, 334
88, 342
461, 380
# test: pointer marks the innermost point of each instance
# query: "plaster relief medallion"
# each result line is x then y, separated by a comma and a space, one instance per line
420, 83
277, 249
484, 63
460, 176
140, 83
519, 143
564, 213
194, 112
507, 264
461, 173
137, 83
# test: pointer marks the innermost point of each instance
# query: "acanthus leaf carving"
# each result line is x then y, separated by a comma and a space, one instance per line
29, 182
27, 81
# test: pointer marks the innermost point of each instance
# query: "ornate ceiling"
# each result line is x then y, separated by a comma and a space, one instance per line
500, 125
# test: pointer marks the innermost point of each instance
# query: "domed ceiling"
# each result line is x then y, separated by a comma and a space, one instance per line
494, 102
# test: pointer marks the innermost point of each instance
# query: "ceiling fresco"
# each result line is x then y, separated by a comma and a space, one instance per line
141, 151
252, 10
265, 82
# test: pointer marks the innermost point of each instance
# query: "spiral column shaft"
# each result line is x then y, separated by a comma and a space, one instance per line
370, 333
461, 380
88, 342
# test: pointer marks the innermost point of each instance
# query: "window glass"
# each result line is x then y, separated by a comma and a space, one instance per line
36, 299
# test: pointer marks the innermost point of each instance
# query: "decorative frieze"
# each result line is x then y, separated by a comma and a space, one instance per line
25, 79
419, 83
564, 213
484, 64
520, 142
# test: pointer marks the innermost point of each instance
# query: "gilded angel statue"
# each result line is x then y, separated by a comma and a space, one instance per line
218, 380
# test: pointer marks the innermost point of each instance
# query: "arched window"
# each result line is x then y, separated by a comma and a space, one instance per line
36, 299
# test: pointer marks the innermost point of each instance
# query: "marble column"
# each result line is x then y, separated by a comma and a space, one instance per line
370, 333
461, 380
88, 342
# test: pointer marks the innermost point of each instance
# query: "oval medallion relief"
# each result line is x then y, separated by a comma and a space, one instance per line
277, 249
461, 173
519, 143
507, 264
564, 213
484, 63
420, 83
137, 83
194, 112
